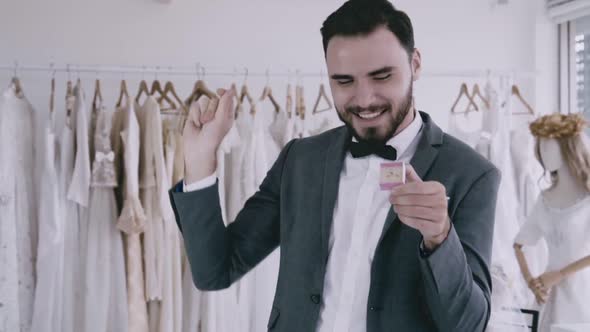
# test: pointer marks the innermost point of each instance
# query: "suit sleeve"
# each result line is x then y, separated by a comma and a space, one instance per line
220, 255
456, 275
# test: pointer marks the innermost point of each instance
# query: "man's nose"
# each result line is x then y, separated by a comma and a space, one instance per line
364, 95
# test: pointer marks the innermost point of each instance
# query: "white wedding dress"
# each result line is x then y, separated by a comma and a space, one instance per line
77, 181
48, 306
507, 286
18, 226
131, 220
260, 152
106, 291
153, 235
566, 232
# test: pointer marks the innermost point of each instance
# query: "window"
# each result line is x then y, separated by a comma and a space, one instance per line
581, 69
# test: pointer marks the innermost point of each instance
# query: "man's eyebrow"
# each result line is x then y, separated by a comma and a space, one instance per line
341, 77
380, 71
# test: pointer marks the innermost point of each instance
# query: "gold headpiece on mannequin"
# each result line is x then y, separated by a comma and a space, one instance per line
558, 125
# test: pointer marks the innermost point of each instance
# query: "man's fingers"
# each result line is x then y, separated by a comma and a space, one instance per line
209, 114
195, 116
419, 188
432, 200
226, 104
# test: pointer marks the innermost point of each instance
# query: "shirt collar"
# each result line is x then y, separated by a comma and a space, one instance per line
403, 139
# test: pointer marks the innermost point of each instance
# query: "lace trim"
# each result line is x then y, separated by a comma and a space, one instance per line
132, 219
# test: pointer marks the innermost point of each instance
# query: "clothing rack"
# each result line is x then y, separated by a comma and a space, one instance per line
197, 71
202, 71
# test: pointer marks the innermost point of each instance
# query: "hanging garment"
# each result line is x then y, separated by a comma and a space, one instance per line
186, 298
324, 121
235, 159
95, 110
48, 306
132, 218
18, 226
9, 281
167, 238
508, 291
79, 189
71, 219
459, 124
283, 128
566, 232
261, 152
528, 172
75, 228
153, 235
104, 263
191, 297
234, 199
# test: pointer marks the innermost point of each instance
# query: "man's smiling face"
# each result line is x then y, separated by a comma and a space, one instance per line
371, 77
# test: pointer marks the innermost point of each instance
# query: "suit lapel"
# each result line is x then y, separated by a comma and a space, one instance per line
334, 160
422, 161
425, 155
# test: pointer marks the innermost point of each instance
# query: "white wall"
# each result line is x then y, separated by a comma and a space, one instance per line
273, 34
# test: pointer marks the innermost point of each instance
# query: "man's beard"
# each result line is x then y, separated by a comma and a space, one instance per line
372, 133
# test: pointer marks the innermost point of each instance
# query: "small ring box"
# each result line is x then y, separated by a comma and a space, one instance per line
393, 174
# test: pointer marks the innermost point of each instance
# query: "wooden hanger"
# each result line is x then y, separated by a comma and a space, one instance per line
123, 93
245, 94
143, 89
322, 94
97, 95
463, 91
267, 93
52, 96
169, 88
18, 89
199, 89
516, 92
238, 107
289, 105
69, 89
235, 90
300, 102
475, 92
157, 88
69, 102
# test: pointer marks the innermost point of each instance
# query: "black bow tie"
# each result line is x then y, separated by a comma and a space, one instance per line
363, 149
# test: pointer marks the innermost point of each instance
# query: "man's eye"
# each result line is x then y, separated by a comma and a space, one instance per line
382, 77
344, 82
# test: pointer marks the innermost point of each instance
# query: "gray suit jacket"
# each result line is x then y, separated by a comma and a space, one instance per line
449, 290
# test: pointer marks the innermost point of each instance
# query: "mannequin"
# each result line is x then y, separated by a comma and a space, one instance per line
562, 217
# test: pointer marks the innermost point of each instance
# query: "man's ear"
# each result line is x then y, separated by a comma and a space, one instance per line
416, 63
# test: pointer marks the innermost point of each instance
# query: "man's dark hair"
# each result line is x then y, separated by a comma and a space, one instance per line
361, 17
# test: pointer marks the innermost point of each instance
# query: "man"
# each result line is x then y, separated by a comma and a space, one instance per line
354, 257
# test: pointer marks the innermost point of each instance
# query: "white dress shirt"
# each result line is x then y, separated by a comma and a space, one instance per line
359, 216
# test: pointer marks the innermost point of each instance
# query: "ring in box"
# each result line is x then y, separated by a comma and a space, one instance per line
392, 174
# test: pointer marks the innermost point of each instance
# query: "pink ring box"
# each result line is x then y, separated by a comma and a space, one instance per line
393, 174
